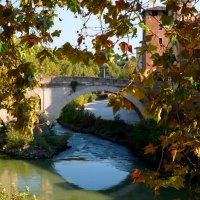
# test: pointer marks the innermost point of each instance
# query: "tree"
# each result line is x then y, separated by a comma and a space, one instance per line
174, 103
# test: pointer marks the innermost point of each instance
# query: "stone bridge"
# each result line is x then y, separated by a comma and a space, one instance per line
56, 92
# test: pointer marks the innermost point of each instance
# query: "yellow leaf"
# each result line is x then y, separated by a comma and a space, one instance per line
139, 94
158, 115
173, 153
38, 4
197, 151
100, 59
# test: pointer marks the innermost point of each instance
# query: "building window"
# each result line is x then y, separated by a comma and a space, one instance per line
159, 27
160, 41
154, 13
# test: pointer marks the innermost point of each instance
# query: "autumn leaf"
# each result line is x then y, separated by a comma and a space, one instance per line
137, 176
100, 59
127, 104
138, 94
149, 149
158, 114
130, 49
164, 140
108, 43
38, 4
136, 173
173, 153
174, 123
79, 40
197, 151
140, 179
125, 47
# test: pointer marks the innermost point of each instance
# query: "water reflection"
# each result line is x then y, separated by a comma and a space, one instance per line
92, 164
90, 175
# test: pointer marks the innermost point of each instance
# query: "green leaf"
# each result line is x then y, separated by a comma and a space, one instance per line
167, 21
148, 38
144, 27
56, 33
3, 48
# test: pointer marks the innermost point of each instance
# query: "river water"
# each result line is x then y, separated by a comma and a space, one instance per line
93, 169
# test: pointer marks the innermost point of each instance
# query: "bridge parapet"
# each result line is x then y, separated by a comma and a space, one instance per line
82, 81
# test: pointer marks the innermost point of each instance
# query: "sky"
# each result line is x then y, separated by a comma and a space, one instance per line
70, 25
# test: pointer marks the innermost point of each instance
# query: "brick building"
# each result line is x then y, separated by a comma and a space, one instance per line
152, 18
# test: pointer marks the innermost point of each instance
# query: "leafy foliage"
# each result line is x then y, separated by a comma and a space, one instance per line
16, 139
86, 98
48, 141
4, 195
174, 104
144, 133
73, 113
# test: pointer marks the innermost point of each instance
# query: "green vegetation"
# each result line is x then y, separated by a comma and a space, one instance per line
48, 142
25, 25
14, 195
63, 67
74, 114
86, 98
43, 144
118, 70
16, 139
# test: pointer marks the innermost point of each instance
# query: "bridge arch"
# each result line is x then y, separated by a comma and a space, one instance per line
138, 106
53, 99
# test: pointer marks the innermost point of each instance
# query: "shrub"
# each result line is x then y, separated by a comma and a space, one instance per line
87, 119
17, 139
49, 141
4, 195
73, 113
115, 129
143, 133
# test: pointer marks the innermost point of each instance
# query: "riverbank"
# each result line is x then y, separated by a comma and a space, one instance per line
41, 147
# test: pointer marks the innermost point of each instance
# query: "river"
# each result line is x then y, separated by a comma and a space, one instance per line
93, 169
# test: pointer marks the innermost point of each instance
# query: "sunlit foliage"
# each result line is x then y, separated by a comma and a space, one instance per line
174, 103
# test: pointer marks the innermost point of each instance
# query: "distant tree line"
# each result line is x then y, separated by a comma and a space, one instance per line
52, 66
